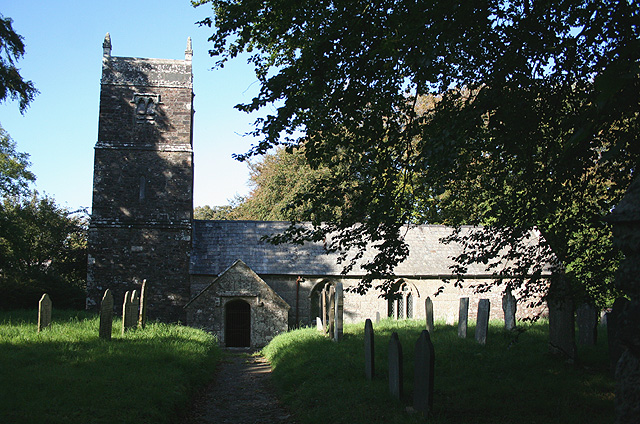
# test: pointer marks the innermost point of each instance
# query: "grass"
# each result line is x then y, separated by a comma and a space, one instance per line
510, 380
66, 374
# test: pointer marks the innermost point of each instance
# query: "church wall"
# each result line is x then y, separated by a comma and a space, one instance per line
358, 308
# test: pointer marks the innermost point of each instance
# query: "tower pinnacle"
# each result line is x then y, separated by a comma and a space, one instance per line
106, 45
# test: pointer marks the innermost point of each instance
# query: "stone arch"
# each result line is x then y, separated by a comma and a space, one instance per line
319, 301
237, 323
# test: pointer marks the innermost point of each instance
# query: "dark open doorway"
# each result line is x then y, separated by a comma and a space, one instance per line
237, 324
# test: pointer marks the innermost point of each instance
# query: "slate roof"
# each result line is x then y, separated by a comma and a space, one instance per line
218, 244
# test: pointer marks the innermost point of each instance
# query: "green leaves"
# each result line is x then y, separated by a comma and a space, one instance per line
508, 114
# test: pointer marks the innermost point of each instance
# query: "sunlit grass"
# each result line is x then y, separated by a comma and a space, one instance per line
510, 380
66, 374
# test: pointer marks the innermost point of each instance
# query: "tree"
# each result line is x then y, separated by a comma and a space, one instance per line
12, 85
14, 175
279, 180
532, 120
42, 249
217, 212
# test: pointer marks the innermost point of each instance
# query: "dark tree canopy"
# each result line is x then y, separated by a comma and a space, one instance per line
510, 114
14, 173
12, 85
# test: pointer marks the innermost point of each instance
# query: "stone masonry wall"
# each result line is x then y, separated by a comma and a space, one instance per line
143, 184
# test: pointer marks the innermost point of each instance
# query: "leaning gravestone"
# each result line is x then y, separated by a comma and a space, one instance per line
369, 358
106, 315
423, 375
323, 309
142, 319
587, 320
44, 312
428, 308
339, 304
395, 366
509, 305
463, 317
126, 311
482, 324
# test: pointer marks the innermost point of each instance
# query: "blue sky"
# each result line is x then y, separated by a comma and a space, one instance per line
63, 58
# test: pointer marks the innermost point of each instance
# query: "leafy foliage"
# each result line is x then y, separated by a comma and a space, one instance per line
516, 115
42, 249
12, 85
14, 176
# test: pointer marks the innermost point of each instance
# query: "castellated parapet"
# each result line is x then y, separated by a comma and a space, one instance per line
143, 183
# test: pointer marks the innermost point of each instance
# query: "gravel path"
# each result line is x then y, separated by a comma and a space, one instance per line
241, 392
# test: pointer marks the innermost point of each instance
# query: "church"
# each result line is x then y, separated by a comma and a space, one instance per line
220, 275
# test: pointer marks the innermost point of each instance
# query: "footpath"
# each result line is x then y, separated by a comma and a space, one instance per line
241, 392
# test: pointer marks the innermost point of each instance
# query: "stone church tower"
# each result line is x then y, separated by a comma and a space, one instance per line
143, 183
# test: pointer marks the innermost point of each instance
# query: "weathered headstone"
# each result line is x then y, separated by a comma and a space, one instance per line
369, 361
463, 317
134, 305
424, 366
339, 296
396, 374
509, 305
44, 312
126, 311
587, 320
324, 309
142, 318
377, 317
482, 324
562, 332
613, 320
428, 309
332, 308
319, 325
106, 315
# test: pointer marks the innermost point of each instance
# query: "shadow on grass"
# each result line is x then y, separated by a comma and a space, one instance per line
510, 380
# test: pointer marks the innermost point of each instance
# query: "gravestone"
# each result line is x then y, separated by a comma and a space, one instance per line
482, 324
562, 332
377, 317
587, 320
463, 317
428, 308
134, 305
369, 357
142, 319
423, 374
323, 310
319, 325
44, 312
339, 308
509, 305
106, 315
332, 308
126, 311
395, 366
613, 319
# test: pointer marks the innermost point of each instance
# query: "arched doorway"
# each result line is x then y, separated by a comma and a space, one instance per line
237, 324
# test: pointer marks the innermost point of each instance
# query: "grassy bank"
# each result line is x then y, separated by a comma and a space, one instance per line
510, 380
66, 374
